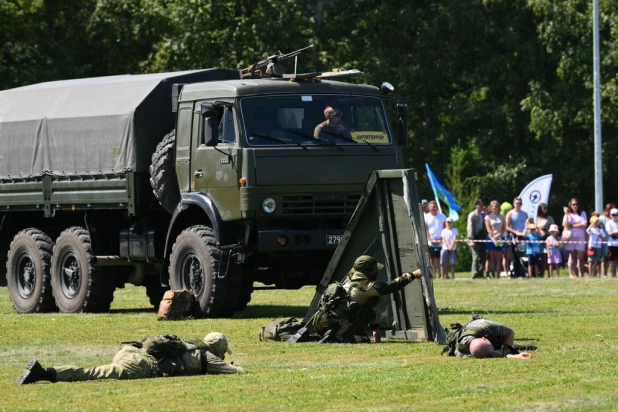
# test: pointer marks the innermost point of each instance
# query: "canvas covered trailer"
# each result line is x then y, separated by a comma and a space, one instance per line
88, 137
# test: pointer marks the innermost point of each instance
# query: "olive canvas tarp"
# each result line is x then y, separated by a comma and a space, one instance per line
102, 125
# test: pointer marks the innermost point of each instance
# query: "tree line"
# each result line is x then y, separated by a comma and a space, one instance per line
500, 92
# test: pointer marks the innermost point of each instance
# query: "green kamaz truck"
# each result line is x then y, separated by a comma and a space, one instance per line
200, 180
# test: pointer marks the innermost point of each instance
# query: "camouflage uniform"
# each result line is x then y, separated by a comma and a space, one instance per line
133, 362
481, 328
348, 325
324, 130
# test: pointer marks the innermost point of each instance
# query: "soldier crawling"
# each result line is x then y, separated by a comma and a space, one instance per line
154, 356
346, 309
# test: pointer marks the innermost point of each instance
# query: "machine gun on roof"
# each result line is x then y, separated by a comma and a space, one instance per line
271, 65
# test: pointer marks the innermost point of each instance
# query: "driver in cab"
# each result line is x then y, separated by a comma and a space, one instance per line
333, 126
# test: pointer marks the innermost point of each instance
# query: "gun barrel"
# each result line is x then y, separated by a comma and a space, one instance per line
276, 59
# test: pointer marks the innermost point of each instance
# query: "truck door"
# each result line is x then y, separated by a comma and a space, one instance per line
215, 170
183, 145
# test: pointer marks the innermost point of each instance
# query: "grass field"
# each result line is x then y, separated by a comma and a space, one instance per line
572, 321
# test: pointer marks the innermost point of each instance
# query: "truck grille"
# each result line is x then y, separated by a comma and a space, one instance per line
320, 204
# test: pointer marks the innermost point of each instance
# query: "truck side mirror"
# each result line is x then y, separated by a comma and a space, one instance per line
210, 124
404, 114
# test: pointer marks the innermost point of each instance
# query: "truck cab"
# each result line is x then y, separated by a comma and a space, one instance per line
277, 195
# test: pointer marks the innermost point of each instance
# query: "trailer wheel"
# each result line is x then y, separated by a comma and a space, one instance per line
77, 284
198, 265
27, 271
163, 173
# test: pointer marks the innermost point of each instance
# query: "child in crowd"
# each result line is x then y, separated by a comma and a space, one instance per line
448, 256
533, 250
595, 243
554, 255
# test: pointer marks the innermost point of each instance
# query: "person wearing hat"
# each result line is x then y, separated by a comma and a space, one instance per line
554, 254
344, 319
596, 236
425, 206
476, 231
533, 250
154, 356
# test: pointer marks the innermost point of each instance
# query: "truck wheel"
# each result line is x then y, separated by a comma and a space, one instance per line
77, 284
27, 271
163, 173
198, 265
155, 291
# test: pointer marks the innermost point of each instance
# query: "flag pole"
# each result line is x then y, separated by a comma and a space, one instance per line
438, 203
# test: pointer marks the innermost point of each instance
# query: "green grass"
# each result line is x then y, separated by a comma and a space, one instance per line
572, 321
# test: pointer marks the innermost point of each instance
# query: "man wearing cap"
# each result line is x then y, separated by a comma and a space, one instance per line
476, 232
345, 320
425, 206
154, 356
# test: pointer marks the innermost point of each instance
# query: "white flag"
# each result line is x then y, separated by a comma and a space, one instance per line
536, 192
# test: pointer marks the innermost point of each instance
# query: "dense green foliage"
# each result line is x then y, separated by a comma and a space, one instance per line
500, 91
572, 322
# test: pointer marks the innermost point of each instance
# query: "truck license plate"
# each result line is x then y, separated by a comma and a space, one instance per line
333, 239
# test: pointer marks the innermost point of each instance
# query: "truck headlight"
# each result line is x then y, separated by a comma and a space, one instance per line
269, 205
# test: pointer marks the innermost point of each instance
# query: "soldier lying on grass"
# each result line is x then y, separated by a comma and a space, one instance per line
154, 356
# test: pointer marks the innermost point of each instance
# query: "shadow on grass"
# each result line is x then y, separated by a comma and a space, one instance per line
272, 311
133, 310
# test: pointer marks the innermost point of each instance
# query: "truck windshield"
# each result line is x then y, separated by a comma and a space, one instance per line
330, 120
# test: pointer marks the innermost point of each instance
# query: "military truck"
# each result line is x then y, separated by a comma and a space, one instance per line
202, 180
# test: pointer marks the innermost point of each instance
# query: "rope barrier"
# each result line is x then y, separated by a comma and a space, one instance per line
519, 241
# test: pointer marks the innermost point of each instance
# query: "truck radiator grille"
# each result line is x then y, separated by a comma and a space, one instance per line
308, 205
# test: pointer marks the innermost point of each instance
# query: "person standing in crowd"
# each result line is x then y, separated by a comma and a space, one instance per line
425, 206
476, 231
595, 241
434, 223
603, 219
612, 233
505, 208
554, 254
516, 220
575, 220
543, 221
533, 250
494, 224
448, 254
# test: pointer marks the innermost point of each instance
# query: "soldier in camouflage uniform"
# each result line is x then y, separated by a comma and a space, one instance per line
483, 338
345, 320
134, 362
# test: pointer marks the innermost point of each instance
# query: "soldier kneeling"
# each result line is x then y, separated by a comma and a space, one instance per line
345, 310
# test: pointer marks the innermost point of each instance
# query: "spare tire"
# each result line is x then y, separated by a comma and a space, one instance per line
163, 173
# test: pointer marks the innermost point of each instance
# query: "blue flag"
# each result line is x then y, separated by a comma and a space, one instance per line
443, 195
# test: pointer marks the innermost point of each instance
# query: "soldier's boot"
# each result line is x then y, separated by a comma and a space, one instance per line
524, 347
35, 372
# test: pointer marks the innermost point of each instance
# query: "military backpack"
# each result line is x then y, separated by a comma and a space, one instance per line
280, 330
178, 305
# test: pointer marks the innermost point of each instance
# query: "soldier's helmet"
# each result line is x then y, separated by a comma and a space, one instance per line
367, 265
217, 344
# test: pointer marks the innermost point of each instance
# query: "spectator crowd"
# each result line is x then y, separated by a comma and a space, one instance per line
504, 241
